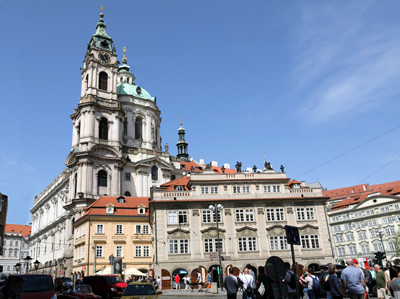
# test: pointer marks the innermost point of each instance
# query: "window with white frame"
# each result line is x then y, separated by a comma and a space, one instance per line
386, 220
347, 226
247, 244
352, 249
272, 188
178, 246
209, 190
385, 209
336, 228
339, 238
309, 241
278, 243
175, 217
369, 212
118, 251
350, 237
364, 247
100, 229
146, 251
244, 215
345, 216
378, 246
335, 219
305, 213
372, 222
138, 229
99, 251
146, 229
389, 231
138, 251
362, 235
374, 233
212, 245
241, 189
398, 218
277, 214
360, 224
341, 251
392, 245
357, 214
397, 206
208, 216
119, 229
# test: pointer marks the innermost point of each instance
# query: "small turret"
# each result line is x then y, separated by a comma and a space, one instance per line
182, 145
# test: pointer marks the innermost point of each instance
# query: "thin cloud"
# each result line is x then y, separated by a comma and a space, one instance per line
346, 65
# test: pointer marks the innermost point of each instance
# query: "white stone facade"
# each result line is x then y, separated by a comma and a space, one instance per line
355, 228
256, 208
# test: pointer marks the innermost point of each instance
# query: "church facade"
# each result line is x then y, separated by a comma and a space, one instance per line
116, 151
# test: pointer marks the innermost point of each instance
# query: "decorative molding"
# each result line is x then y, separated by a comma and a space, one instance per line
275, 226
212, 228
260, 211
289, 210
246, 228
196, 212
176, 230
308, 226
228, 212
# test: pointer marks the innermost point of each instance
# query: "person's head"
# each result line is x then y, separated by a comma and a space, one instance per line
231, 271
355, 263
287, 266
158, 277
311, 271
332, 269
246, 271
198, 272
398, 274
260, 269
388, 265
349, 262
377, 268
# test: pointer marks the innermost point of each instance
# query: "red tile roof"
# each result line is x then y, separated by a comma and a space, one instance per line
341, 192
196, 167
219, 170
127, 208
24, 230
182, 181
385, 186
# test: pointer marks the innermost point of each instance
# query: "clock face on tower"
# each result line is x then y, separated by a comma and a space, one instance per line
104, 57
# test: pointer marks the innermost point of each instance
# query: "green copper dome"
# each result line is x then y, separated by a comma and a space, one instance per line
133, 90
100, 39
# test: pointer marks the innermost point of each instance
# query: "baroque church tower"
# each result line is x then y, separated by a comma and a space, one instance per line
116, 145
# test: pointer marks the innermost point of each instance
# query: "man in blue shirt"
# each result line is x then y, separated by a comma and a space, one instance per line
353, 281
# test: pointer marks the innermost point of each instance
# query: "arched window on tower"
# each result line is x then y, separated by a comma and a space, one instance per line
154, 173
87, 81
103, 129
76, 184
102, 179
72, 224
138, 128
78, 132
127, 193
103, 80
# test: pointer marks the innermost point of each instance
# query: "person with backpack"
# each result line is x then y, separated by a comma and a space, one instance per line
353, 281
335, 284
290, 279
314, 287
303, 281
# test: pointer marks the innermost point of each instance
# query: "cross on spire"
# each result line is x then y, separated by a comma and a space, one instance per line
124, 58
101, 9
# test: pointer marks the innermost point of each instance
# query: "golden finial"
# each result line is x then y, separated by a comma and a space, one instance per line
124, 58
101, 14
181, 120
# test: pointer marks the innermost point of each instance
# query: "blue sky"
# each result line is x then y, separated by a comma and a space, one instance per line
300, 82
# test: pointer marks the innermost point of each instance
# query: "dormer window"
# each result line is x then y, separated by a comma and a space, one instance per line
121, 199
110, 210
179, 188
141, 211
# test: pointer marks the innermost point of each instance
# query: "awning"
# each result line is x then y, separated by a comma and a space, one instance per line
106, 271
133, 271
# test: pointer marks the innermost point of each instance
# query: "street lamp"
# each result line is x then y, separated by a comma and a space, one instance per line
17, 267
27, 261
217, 208
36, 264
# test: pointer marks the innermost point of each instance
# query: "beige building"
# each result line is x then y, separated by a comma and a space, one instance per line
117, 226
256, 208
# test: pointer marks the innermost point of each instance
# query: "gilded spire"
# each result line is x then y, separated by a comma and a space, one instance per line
181, 120
124, 60
102, 9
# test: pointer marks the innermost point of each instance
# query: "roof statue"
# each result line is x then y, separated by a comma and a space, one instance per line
254, 168
238, 166
282, 168
267, 166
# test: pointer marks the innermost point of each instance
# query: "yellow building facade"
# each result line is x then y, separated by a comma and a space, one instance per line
117, 227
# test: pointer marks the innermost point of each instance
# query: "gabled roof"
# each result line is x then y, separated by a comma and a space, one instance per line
24, 230
182, 181
385, 187
127, 208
